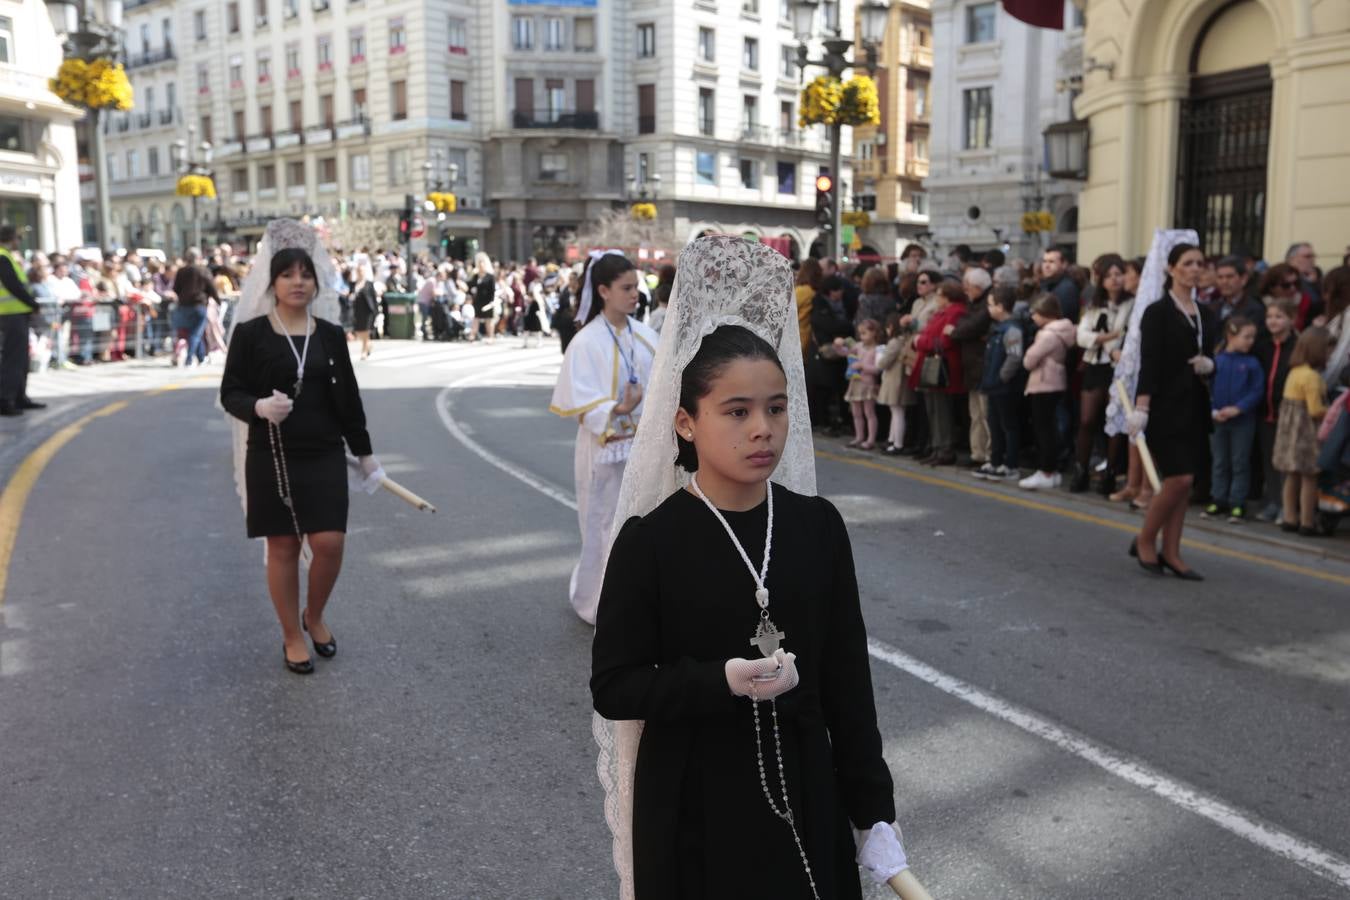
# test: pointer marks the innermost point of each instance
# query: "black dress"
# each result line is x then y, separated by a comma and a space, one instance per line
677, 603
365, 303
1179, 416
327, 413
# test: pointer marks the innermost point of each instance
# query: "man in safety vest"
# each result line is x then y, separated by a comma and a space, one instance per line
16, 303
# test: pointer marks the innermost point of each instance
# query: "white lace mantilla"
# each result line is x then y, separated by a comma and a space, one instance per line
720, 280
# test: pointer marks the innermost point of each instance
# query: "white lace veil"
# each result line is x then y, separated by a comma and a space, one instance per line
1150, 290
720, 280
256, 299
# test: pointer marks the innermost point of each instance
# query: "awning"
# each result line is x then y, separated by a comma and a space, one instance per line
1041, 13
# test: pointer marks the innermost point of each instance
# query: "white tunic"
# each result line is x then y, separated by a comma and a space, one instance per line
591, 383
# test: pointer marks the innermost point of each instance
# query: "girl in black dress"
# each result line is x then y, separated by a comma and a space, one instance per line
365, 304
686, 588
1171, 407
289, 377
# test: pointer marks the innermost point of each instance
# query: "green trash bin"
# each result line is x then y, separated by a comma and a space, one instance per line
401, 321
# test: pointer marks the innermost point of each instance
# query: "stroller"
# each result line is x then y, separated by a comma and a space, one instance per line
444, 327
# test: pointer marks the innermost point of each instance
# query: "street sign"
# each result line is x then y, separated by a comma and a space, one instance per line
419, 227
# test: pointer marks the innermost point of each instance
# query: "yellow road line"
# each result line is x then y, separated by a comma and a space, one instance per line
1086, 518
15, 497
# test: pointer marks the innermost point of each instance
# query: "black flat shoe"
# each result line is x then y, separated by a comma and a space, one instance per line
1134, 547
328, 650
1155, 568
1311, 532
299, 668
1288, 526
1187, 575
25, 403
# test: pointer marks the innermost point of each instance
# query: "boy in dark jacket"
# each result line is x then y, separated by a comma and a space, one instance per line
1002, 381
1273, 350
1235, 396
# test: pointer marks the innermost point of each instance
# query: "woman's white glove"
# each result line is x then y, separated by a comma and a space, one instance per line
275, 408
1201, 364
372, 474
763, 679
880, 852
1136, 422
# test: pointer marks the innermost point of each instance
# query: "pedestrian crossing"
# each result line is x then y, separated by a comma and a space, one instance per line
132, 376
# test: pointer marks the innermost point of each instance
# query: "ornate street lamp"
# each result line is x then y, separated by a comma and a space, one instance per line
195, 177
1066, 149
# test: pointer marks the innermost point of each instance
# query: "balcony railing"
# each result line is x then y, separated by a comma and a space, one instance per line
144, 119
918, 57
123, 125
646, 124
556, 118
756, 134
151, 57
354, 127
166, 116
916, 168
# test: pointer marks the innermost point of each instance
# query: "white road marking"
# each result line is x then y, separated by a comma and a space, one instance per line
1248, 827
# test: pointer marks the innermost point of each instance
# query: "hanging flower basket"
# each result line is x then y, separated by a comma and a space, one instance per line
443, 201
196, 186
829, 101
860, 104
643, 211
101, 84
820, 101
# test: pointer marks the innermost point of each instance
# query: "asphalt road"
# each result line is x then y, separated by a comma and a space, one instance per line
152, 745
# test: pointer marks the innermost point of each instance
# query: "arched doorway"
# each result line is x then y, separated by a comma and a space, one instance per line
1224, 133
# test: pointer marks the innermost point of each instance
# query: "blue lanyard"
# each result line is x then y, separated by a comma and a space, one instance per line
629, 360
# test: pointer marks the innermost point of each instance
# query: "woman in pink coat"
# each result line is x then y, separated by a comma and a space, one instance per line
1046, 385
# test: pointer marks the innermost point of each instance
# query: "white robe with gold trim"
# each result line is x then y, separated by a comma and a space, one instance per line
589, 386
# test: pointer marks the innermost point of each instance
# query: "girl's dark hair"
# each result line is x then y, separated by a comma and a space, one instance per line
282, 261
1047, 305
1232, 326
1173, 258
1336, 292
1005, 298
1313, 349
718, 350
605, 271
893, 325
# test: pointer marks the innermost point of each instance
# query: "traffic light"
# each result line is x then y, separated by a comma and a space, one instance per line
825, 201
405, 220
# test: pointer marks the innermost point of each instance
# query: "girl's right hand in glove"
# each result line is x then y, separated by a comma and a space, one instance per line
1136, 422
275, 408
778, 674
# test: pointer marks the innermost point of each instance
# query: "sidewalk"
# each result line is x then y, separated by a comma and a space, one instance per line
1335, 548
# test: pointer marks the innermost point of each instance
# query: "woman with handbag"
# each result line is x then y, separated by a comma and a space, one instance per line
937, 373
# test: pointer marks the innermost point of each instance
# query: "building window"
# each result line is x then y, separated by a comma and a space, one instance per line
866, 150
750, 55
360, 166
326, 115
978, 104
203, 78
323, 46
750, 6
583, 35
264, 62
459, 38
239, 180
232, 18
359, 103
555, 96
706, 119
295, 173
705, 167
707, 45
166, 33
328, 170
207, 133
585, 91
522, 32
260, 13
921, 100
918, 201
749, 174
398, 168
398, 37
646, 40
290, 9
199, 24
866, 202
265, 119
787, 122
152, 160
646, 109
145, 39
398, 100
267, 177
555, 32
787, 177
6, 40
458, 111
749, 114
236, 71
171, 98
295, 115
921, 148
980, 23
356, 41
238, 122
292, 60
785, 11
175, 157
788, 62
553, 167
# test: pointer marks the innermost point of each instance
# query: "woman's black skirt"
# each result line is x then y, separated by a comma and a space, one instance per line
318, 486
1096, 377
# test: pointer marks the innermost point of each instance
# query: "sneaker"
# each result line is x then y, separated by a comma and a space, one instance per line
1270, 514
1210, 512
1006, 474
1037, 480
986, 471
1056, 480
1237, 515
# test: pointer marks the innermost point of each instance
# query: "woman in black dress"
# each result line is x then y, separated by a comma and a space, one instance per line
296, 469
365, 304
1176, 341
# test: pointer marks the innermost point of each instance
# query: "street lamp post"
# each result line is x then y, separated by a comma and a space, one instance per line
190, 164
89, 37
873, 18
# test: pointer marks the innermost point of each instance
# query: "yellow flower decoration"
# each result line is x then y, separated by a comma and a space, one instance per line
101, 84
820, 101
860, 104
643, 211
444, 202
196, 186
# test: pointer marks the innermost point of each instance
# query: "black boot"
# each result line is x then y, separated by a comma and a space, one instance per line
1081, 479
1107, 485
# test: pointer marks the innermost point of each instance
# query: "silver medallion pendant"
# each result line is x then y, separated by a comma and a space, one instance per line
767, 637
299, 383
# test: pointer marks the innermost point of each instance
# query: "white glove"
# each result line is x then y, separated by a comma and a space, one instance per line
763, 679
881, 852
1136, 422
1201, 364
373, 474
275, 408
